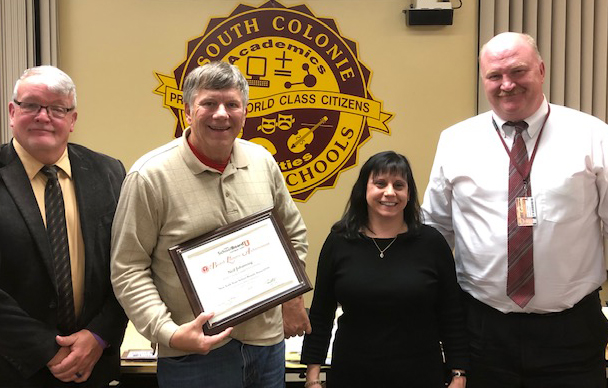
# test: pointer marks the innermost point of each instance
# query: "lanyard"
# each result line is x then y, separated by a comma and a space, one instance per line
525, 174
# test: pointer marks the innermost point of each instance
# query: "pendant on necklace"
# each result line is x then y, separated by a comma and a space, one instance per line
383, 250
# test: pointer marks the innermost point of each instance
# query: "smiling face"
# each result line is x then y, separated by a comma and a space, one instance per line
42, 136
512, 74
216, 117
386, 195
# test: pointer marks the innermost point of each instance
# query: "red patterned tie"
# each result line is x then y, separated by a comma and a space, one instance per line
520, 278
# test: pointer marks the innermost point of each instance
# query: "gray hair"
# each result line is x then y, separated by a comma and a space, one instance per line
532, 43
215, 76
528, 39
56, 80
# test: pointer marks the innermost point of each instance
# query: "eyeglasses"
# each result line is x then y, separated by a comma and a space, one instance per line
54, 111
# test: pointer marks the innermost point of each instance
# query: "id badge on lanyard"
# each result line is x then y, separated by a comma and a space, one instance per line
525, 206
526, 211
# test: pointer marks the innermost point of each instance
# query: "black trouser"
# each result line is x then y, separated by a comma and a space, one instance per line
555, 350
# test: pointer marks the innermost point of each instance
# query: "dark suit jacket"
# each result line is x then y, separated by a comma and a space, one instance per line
28, 294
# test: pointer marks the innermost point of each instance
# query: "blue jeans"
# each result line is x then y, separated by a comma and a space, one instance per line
234, 365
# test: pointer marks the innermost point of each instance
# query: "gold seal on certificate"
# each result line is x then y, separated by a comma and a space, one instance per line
240, 270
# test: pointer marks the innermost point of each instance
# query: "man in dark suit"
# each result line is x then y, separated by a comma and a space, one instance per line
36, 347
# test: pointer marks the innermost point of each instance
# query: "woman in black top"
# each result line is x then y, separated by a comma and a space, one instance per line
395, 280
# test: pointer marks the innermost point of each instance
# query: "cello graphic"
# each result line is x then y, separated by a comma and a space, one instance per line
298, 141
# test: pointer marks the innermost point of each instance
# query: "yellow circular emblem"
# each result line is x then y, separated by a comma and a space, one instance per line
309, 103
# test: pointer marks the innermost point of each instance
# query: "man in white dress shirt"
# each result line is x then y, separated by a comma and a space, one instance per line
556, 335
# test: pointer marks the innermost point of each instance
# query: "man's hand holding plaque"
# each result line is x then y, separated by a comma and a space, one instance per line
295, 319
190, 337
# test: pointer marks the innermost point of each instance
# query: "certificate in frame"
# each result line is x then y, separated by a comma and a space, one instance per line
240, 270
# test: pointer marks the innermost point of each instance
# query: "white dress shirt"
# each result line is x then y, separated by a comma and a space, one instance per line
466, 200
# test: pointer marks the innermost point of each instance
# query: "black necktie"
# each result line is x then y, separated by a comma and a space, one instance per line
58, 239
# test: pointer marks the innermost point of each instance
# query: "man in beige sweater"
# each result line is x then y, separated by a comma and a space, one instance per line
194, 184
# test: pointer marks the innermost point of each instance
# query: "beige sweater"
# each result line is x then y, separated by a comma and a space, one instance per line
169, 197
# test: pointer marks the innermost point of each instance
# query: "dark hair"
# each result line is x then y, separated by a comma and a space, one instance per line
355, 215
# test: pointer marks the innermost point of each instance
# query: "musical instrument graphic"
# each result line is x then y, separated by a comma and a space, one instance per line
298, 141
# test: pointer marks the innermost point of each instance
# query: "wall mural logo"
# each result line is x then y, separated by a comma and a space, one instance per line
309, 105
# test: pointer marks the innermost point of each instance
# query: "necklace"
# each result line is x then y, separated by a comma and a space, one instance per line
383, 250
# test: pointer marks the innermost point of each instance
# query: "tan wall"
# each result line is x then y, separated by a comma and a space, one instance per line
426, 76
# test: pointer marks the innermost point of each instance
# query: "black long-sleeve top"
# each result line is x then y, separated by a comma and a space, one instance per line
396, 309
